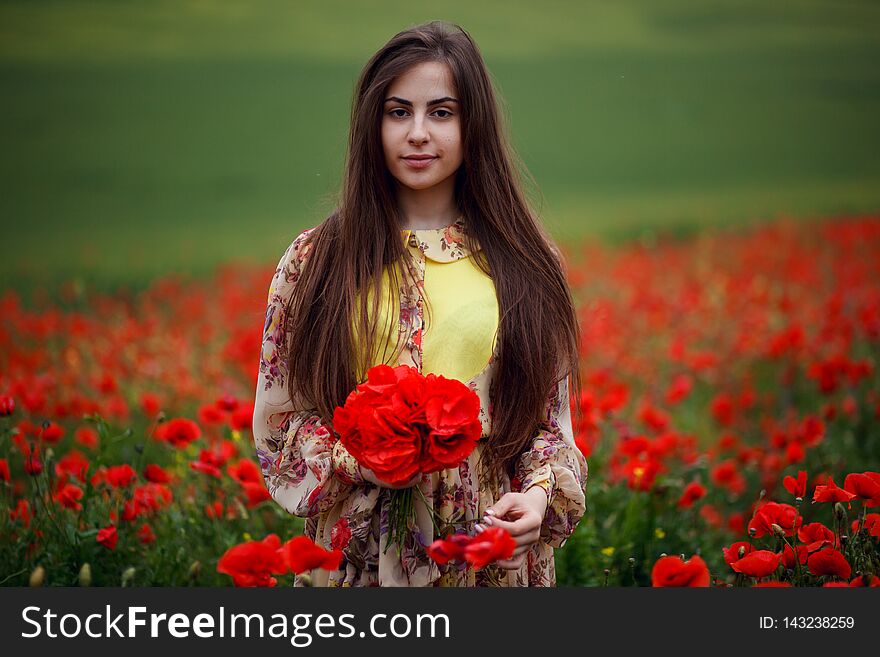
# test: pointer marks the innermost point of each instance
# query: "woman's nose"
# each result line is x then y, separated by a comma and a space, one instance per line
418, 133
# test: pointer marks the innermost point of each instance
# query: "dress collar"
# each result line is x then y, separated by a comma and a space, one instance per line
444, 244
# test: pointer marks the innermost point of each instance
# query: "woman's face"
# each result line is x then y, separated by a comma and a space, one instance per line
421, 127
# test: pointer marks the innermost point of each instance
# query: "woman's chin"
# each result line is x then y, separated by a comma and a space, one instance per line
419, 183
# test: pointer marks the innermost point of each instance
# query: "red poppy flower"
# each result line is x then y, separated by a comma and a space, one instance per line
108, 537
653, 417
242, 417
692, 492
634, 446
452, 413
32, 463
206, 465
209, 414
156, 474
872, 524
7, 405
493, 544
731, 554
22, 511
736, 523
179, 432
150, 404
120, 476
710, 516
253, 563
4, 470
227, 403
53, 433
245, 471
145, 534
797, 487
863, 580
811, 431
831, 493
679, 389
449, 549
301, 554
672, 571
641, 473
784, 515
865, 486
380, 432
69, 497
86, 436
726, 475
759, 563
400, 423
788, 556
815, 536
722, 409
829, 561
794, 453
256, 493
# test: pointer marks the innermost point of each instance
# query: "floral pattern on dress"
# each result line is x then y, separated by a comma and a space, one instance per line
311, 474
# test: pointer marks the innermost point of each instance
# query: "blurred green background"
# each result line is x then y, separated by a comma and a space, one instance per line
149, 136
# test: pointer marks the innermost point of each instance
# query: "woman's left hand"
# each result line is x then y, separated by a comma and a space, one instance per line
521, 514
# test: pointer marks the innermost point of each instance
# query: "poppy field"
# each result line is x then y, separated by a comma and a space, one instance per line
729, 412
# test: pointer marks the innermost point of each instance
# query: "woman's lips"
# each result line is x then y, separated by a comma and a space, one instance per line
420, 163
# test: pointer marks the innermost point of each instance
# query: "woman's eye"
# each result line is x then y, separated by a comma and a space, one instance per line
446, 113
397, 116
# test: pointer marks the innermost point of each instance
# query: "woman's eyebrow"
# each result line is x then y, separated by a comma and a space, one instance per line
438, 101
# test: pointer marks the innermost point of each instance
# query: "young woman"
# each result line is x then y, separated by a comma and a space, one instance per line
432, 259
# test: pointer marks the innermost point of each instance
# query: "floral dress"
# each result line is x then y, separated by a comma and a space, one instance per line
310, 473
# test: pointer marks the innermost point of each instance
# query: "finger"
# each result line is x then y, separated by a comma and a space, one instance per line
502, 506
517, 528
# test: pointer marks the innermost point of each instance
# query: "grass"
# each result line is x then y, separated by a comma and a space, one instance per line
148, 137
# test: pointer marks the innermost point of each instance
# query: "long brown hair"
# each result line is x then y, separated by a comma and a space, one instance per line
537, 340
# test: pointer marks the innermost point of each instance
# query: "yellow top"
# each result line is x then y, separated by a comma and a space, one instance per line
459, 308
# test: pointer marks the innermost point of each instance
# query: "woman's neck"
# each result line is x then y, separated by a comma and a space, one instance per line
428, 208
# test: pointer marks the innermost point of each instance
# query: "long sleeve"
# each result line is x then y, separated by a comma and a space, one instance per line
554, 463
305, 467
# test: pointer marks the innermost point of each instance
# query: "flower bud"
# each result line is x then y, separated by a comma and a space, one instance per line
779, 531
762, 494
840, 512
752, 532
304, 580
195, 568
632, 561
128, 575
844, 539
38, 576
85, 575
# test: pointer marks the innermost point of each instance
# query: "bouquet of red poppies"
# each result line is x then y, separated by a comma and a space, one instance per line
400, 423
491, 545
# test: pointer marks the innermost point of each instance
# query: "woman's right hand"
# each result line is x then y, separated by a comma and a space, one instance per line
370, 476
